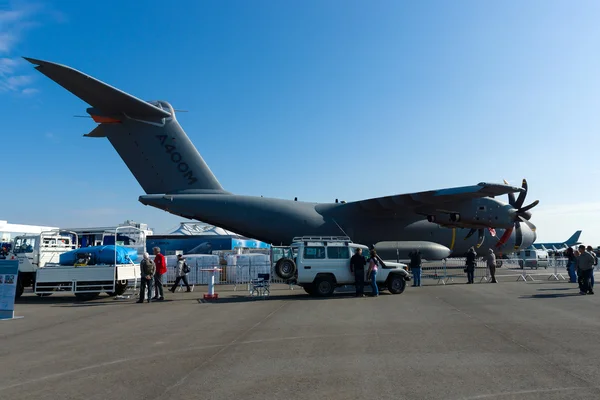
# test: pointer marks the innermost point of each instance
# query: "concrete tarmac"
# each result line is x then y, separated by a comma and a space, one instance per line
511, 340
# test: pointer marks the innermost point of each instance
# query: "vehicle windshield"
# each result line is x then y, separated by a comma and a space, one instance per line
24, 245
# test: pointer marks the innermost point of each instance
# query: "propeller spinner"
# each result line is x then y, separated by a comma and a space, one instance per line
521, 214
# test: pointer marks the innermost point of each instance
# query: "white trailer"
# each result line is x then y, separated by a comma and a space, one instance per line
86, 282
39, 267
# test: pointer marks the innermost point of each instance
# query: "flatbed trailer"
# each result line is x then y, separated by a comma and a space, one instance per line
86, 282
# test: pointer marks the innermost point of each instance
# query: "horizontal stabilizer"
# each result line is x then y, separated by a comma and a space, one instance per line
96, 93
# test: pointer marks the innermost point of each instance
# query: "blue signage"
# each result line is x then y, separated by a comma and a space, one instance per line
9, 273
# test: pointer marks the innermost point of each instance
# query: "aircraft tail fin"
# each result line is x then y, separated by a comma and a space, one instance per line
573, 239
146, 135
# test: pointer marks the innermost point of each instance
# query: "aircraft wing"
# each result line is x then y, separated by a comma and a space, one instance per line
96, 93
441, 199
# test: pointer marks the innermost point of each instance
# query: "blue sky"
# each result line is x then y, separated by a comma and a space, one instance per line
314, 99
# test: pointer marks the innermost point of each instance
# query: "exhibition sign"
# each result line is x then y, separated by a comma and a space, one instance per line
9, 273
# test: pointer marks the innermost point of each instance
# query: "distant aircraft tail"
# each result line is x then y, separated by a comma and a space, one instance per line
146, 135
573, 239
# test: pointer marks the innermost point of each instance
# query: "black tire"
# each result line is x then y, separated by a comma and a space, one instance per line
396, 284
20, 287
285, 268
309, 288
86, 296
324, 286
498, 263
120, 288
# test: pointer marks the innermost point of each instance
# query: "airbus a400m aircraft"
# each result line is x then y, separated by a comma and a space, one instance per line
175, 177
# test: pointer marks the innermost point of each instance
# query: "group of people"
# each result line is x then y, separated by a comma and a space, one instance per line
580, 266
152, 272
357, 267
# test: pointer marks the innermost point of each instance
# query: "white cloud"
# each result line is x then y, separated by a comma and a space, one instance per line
14, 24
29, 91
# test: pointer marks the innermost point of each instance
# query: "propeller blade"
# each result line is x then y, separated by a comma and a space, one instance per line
511, 196
529, 207
518, 236
481, 237
505, 237
529, 224
522, 196
471, 232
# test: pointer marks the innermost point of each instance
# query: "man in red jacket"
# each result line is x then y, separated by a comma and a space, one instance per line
161, 269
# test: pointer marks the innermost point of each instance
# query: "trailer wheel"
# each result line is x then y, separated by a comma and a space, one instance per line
120, 288
285, 268
86, 296
20, 287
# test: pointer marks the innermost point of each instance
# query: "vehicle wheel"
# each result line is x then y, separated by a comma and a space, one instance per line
498, 263
396, 284
20, 288
324, 286
120, 288
309, 288
86, 296
285, 268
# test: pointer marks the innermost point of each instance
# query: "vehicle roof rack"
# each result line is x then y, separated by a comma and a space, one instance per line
322, 239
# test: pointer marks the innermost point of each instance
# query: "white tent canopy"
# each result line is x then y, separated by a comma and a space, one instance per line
198, 228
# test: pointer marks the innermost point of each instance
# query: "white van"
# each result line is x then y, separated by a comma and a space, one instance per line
532, 258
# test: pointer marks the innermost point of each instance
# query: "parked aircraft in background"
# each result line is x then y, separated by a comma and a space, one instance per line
560, 246
176, 179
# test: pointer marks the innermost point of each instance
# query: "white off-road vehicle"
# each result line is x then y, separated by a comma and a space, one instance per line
320, 264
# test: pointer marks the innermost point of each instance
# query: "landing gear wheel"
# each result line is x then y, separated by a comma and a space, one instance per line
285, 268
120, 288
396, 284
86, 296
324, 286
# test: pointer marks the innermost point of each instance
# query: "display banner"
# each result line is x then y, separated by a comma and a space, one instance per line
9, 272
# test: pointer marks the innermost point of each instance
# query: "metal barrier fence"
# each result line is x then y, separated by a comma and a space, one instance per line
236, 275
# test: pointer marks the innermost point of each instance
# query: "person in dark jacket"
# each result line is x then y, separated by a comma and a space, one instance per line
415, 266
357, 267
590, 250
147, 270
471, 262
571, 263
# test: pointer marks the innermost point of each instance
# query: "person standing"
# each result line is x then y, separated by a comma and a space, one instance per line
571, 263
415, 266
471, 262
147, 270
491, 263
585, 265
161, 269
590, 250
372, 272
357, 267
181, 271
